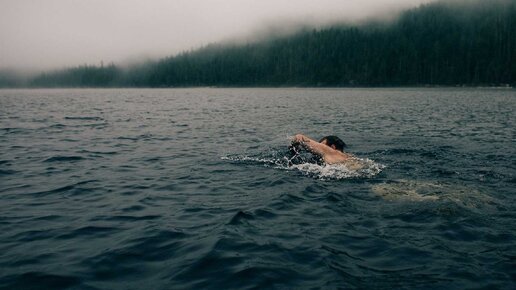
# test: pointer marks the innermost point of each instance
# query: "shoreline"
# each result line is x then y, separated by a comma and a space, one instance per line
499, 87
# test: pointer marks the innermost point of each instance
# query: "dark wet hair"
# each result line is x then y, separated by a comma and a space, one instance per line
334, 140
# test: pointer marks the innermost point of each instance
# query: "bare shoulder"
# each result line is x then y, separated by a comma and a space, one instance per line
336, 157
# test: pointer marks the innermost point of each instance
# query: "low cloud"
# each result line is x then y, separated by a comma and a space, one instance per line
58, 33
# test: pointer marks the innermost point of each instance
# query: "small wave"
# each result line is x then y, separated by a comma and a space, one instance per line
64, 158
239, 217
99, 152
58, 126
358, 168
89, 231
83, 118
65, 188
130, 218
16, 130
7, 172
43, 280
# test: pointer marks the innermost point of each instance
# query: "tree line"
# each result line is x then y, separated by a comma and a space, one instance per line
441, 43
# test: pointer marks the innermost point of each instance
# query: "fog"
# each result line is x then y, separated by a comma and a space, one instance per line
36, 35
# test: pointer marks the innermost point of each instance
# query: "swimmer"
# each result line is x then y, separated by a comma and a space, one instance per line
330, 149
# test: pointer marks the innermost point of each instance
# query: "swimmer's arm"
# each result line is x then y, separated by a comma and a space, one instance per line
312, 145
329, 155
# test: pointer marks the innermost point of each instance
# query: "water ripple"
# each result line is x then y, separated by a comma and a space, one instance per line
195, 189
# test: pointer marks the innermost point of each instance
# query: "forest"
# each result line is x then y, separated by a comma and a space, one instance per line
445, 43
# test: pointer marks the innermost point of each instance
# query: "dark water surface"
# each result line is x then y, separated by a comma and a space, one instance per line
188, 189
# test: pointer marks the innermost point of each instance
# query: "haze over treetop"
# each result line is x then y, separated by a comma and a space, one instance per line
56, 33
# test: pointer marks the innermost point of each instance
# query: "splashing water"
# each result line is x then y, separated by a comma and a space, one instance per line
356, 168
367, 169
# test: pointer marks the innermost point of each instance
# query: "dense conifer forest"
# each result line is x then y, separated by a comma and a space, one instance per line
443, 43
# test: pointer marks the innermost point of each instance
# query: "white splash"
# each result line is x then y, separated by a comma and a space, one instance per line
358, 168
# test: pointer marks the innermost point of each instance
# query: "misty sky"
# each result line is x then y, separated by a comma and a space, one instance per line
45, 34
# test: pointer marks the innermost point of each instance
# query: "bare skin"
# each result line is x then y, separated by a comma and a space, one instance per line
328, 153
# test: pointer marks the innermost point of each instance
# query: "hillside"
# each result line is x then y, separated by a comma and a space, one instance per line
442, 43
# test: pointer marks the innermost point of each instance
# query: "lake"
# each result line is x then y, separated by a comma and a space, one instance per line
190, 189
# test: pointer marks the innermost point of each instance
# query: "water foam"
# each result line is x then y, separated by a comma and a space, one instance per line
359, 168
367, 169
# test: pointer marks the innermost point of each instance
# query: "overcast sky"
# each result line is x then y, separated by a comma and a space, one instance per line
45, 34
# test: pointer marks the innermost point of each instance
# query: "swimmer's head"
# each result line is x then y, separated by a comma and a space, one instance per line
333, 142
